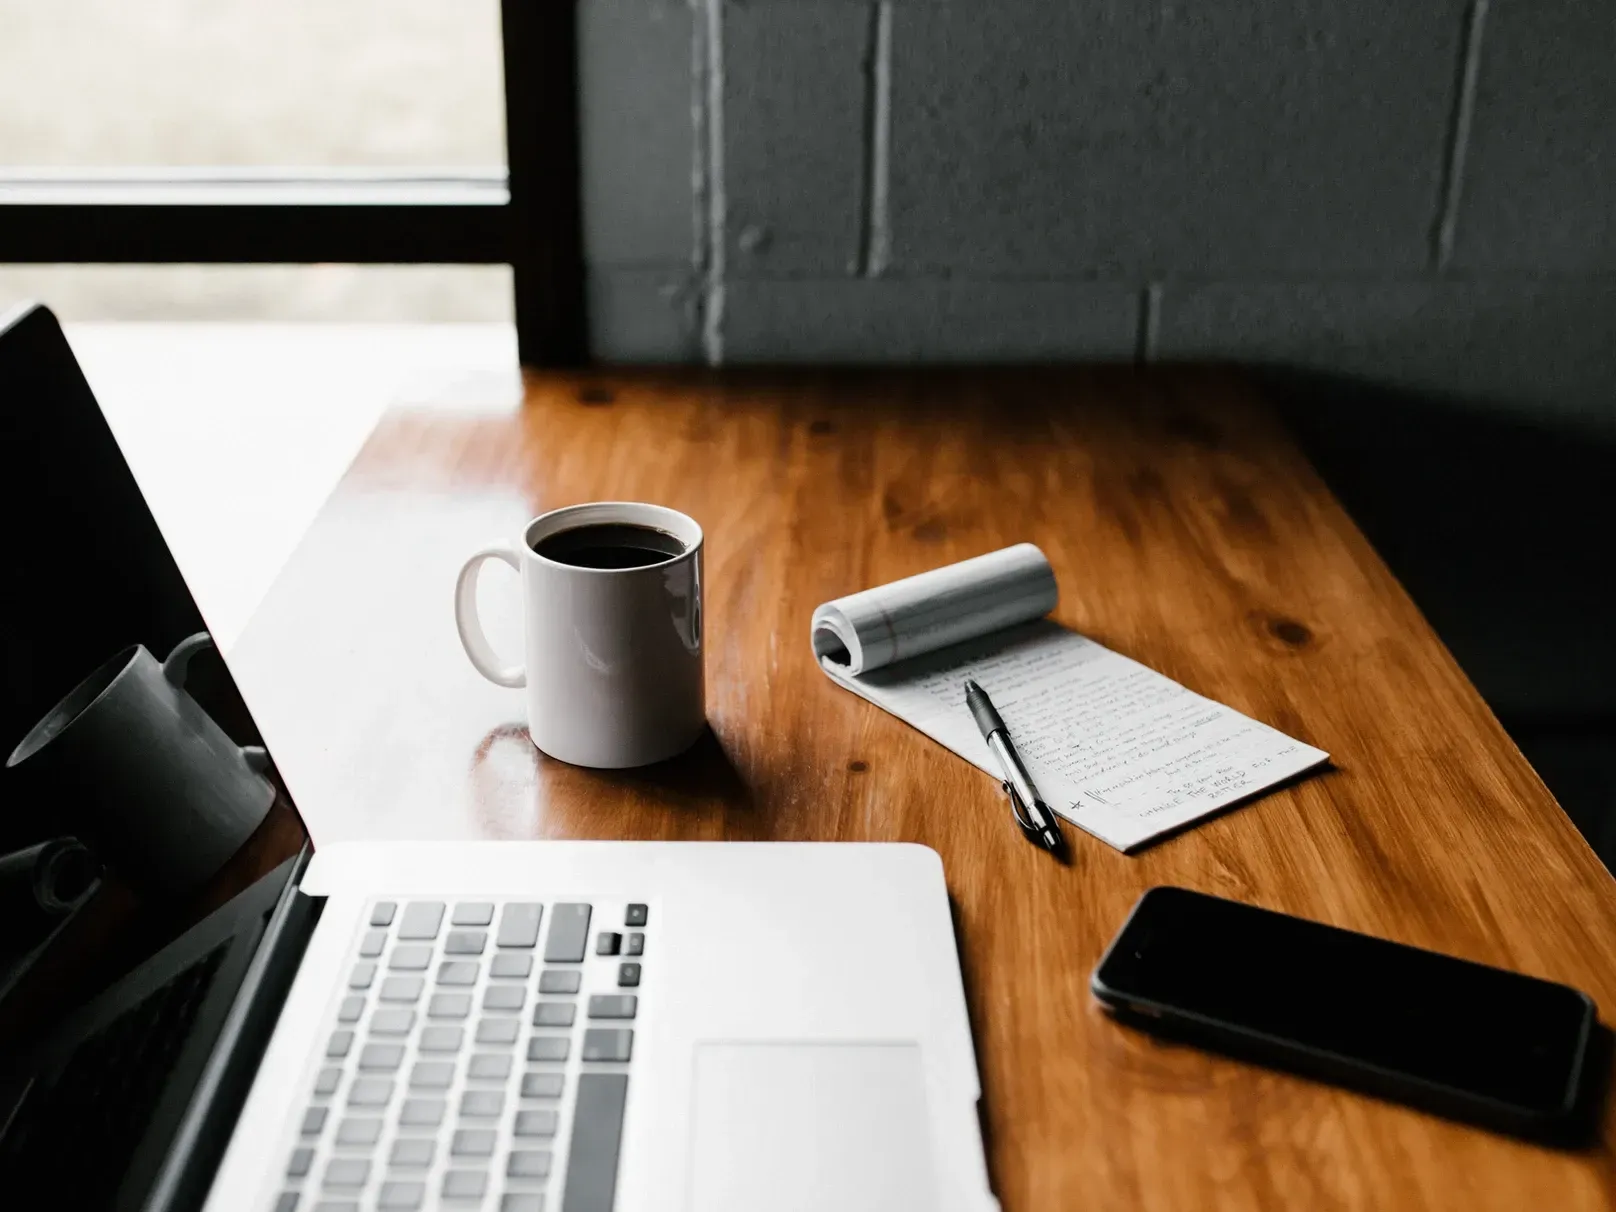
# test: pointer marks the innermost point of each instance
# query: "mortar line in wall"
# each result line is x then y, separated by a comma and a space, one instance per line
712, 319
874, 252
1145, 338
698, 135
1464, 107
695, 314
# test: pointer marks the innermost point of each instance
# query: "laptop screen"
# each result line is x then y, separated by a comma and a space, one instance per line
135, 796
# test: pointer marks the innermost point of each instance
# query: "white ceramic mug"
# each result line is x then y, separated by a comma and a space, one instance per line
613, 662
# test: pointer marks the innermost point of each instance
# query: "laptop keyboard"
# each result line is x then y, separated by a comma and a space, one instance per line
477, 1058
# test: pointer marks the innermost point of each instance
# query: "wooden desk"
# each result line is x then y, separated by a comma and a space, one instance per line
1186, 531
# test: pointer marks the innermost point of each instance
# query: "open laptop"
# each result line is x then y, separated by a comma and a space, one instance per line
573, 1026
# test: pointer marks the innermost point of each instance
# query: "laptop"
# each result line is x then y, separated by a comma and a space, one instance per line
510, 1026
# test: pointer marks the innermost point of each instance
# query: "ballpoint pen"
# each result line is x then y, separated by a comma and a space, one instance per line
1034, 816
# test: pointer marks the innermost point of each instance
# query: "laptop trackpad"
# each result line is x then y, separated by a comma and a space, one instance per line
810, 1127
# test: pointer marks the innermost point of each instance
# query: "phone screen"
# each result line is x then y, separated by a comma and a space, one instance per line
1494, 1034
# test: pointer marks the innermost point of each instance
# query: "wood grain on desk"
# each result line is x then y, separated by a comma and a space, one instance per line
1186, 531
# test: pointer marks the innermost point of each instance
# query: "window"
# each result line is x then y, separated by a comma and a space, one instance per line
343, 133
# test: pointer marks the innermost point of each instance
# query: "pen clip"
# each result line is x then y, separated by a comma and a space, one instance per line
1019, 807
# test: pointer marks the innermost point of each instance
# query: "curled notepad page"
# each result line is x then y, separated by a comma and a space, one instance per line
920, 614
1113, 746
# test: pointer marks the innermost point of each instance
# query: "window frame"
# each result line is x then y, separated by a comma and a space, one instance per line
527, 217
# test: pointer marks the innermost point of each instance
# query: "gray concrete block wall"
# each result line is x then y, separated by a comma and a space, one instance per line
638, 127
794, 126
1543, 345
1539, 189
1418, 193
889, 321
1114, 137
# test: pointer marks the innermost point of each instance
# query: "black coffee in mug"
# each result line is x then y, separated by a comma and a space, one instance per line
610, 545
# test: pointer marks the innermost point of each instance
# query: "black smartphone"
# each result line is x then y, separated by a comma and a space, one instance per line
1475, 1043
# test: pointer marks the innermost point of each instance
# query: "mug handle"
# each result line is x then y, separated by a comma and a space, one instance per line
178, 663
483, 657
178, 666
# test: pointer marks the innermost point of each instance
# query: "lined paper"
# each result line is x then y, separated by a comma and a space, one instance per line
1116, 748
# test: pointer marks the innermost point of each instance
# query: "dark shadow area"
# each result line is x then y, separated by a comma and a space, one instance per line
1502, 531
1583, 1128
700, 774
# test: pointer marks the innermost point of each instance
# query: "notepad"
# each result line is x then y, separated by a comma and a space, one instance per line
1114, 747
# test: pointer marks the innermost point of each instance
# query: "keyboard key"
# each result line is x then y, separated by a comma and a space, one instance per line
337, 1205
370, 1092
528, 1163
482, 1104
608, 1044
432, 1075
511, 963
381, 914
522, 1201
498, 1030
399, 1194
608, 942
489, 1066
421, 920
411, 1153
374, 942
569, 934
301, 1163
613, 1005
338, 1046
328, 1081
449, 1005
554, 1014
535, 1123
442, 1039
401, 988
472, 913
636, 915
347, 1172
381, 1058
597, 1131
465, 942
542, 1085
547, 1048
464, 1184
363, 973
628, 976
351, 1009
504, 997
560, 980
472, 1142
392, 1022
634, 944
355, 1131
458, 972
413, 957
287, 1202
519, 925
422, 1112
